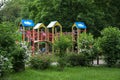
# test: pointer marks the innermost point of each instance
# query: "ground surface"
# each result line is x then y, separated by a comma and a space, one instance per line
76, 73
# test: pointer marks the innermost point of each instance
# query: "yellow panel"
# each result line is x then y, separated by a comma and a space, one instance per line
73, 26
58, 24
42, 26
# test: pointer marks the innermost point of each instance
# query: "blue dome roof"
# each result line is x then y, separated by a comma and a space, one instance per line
80, 25
27, 23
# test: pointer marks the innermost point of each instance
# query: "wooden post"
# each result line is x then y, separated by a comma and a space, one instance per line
48, 34
85, 30
53, 40
46, 41
72, 40
38, 39
23, 34
33, 44
78, 36
56, 36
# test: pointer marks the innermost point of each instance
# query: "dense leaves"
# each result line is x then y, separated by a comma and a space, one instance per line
97, 14
38, 62
110, 44
85, 43
62, 43
7, 43
18, 59
77, 60
8, 48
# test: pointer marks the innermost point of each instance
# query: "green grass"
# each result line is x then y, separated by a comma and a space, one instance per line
76, 73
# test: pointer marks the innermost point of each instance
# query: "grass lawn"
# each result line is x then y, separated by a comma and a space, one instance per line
76, 73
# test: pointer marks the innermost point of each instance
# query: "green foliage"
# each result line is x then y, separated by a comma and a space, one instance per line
7, 36
77, 60
97, 14
96, 47
14, 11
10, 12
111, 11
62, 43
18, 60
39, 62
5, 65
91, 12
61, 63
11, 56
7, 44
85, 43
110, 44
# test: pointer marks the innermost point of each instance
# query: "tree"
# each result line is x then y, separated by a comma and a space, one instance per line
85, 45
61, 44
110, 10
14, 11
7, 43
110, 44
8, 48
97, 49
96, 14
67, 12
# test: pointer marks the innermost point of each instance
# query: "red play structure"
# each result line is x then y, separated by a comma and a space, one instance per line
40, 37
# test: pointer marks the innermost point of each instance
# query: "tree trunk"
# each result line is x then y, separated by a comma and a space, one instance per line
97, 60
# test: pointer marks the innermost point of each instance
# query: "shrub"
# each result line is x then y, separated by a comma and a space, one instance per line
5, 66
7, 44
110, 44
40, 63
18, 60
85, 45
77, 60
61, 63
61, 44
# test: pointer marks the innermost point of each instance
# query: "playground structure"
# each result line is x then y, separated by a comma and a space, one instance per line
77, 29
40, 37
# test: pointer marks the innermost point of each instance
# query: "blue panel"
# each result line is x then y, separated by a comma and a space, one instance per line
80, 25
27, 23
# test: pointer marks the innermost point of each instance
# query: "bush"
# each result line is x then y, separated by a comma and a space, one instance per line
18, 60
61, 44
7, 47
85, 45
61, 63
77, 60
5, 66
110, 44
110, 61
40, 63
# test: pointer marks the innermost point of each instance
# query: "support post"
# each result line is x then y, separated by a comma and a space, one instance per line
33, 44
52, 40
38, 39
78, 36
23, 34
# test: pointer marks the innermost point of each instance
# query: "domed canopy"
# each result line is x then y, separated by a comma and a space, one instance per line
27, 23
80, 25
